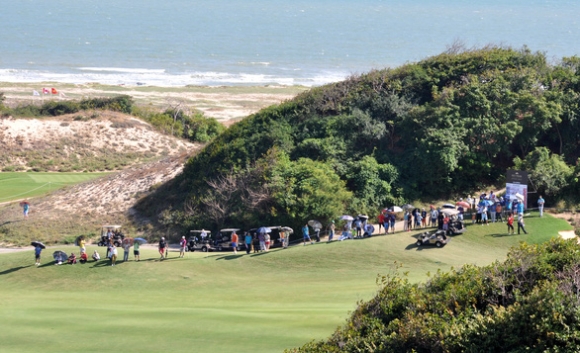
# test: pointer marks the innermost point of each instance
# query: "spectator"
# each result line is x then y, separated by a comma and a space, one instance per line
37, 251
72, 259
126, 249
381, 220
182, 246
248, 242
305, 234
113, 254
510, 223
162, 247
541, 206
521, 224
234, 242
332, 227
96, 256
423, 218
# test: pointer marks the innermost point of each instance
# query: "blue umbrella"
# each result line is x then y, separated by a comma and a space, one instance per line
140, 241
264, 230
487, 202
370, 228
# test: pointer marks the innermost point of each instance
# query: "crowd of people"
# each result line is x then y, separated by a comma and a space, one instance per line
486, 209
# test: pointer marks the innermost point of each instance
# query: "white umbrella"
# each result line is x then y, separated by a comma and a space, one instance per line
396, 209
448, 205
519, 196
315, 224
408, 206
346, 218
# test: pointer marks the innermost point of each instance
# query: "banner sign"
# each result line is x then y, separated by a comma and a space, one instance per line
516, 183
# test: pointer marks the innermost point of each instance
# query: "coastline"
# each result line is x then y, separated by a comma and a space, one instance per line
227, 104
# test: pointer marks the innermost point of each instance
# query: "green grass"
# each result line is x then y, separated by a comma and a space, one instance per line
15, 186
221, 302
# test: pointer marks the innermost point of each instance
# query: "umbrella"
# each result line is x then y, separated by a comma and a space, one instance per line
140, 241
288, 230
22, 203
264, 230
78, 239
346, 218
396, 209
519, 196
407, 207
463, 204
128, 241
448, 205
449, 212
486, 202
37, 243
315, 224
363, 216
59, 256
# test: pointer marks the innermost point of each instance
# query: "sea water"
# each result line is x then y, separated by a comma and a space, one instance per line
261, 42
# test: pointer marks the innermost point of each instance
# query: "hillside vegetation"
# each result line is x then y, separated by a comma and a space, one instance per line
439, 128
528, 303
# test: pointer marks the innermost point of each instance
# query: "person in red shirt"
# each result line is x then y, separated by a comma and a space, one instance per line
510, 224
381, 219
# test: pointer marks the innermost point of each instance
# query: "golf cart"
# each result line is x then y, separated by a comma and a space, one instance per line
198, 242
116, 237
275, 239
437, 238
456, 226
223, 240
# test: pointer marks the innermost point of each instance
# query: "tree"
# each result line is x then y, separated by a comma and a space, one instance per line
547, 171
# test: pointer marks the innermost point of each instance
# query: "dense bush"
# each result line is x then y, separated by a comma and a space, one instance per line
529, 303
441, 127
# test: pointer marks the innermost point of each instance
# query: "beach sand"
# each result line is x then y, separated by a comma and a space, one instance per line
225, 103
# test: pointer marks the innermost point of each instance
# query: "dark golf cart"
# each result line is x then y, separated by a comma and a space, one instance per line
275, 239
437, 238
117, 235
223, 239
200, 240
456, 226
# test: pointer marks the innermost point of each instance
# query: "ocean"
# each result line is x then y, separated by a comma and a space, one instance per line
259, 42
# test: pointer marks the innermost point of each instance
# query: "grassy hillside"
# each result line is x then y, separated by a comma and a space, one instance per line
220, 302
14, 186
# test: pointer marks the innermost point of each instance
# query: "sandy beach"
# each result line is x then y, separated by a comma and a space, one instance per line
225, 103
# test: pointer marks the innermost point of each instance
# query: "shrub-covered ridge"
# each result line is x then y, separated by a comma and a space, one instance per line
528, 303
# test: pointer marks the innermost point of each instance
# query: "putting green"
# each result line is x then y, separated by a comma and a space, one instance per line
220, 302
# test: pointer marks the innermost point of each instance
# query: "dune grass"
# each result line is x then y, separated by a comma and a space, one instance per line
221, 302
15, 185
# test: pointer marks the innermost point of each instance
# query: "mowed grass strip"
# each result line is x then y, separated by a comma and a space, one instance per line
14, 186
221, 302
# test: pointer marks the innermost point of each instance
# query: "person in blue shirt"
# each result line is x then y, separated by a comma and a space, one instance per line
37, 251
541, 202
520, 207
306, 235
248, 241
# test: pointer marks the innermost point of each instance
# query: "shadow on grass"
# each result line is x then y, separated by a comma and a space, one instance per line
422, 247
500, 235
14, 269
230, 257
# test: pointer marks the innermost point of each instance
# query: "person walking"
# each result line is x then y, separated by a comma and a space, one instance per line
305, 235
82, 248
332, 227
182, 246
510, 223
162, 247
234, 240
25, 208
126, 249
113, 254
381, 220
541, 202
521, 224
37, 251
248, 242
